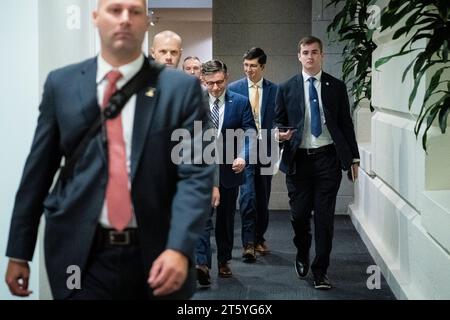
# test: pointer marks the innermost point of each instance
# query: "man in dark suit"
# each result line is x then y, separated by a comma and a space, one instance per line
255, 191
203, 255
230, 112
128, 217
313, 118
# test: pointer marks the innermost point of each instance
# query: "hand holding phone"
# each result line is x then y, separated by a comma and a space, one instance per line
284, 129
352, 173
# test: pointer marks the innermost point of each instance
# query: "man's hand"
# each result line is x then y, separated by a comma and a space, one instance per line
355, 170
352, 173
215, 198
168, 272
17, 276
238, 165
283, 135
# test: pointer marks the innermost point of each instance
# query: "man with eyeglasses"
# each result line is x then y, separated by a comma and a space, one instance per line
229, 111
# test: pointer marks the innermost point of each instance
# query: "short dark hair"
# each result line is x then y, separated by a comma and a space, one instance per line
254, 53
310, 40
213, 66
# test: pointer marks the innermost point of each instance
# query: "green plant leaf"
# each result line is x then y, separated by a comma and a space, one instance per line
443, 115
424, 141
445, 50
384, 60
401, 31
434, 82
407, 70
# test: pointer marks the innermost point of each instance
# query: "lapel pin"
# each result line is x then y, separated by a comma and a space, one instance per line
150, 92
327, 83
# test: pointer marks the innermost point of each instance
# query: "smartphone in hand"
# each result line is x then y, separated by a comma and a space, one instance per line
284, 129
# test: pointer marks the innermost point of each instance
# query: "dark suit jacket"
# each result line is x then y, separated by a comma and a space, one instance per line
238, 115
290, 111
267, 104
171, 202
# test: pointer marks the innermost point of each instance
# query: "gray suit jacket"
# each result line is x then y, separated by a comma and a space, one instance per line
171, 202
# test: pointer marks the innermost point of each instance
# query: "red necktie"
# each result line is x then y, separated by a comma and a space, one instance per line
118, 198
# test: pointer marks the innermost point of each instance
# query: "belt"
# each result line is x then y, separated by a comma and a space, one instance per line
314, 151
118, 238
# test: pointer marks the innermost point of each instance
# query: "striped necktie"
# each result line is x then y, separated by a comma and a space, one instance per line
215, 114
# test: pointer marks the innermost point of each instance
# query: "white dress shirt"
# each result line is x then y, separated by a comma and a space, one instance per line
308, 140
127, 71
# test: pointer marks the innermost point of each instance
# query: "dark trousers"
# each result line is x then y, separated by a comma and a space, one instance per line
314, 187
112, 273
225, 223
203, 248
254, 204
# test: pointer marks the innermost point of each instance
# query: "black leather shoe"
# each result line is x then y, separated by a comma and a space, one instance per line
322, 282
203, 277
301, 267
249, 254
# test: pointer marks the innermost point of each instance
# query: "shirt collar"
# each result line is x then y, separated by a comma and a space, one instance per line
306, 76
221, 98
259, 83
128, 70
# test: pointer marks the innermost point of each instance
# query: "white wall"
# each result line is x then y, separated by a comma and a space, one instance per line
19, 85
197, 37
402, 199
41, 36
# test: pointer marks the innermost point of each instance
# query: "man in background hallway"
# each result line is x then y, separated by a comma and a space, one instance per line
127, 216
313, 117
255, 191
167, 48
193, 66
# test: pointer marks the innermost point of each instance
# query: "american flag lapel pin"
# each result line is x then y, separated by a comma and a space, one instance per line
150, 92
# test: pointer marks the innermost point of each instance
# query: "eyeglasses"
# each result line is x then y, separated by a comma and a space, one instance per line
212, 83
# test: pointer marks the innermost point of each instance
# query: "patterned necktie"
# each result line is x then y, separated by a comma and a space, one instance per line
316, 126
255, 106
118, 198
215, 114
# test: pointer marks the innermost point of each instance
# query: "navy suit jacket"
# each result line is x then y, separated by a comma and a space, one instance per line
171, 202
238, 115
290, 111
267, 105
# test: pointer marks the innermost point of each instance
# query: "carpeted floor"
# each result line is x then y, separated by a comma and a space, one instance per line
273, 276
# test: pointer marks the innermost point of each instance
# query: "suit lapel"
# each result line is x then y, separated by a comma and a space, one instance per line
227, 111
300, 98
266, 93
88, 90
244, 87
325, 92
88, 98
145, 109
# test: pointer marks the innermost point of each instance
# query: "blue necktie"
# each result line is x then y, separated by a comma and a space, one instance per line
316, 125
215, 114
